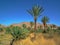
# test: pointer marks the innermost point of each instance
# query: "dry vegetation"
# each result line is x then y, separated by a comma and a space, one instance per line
40, 40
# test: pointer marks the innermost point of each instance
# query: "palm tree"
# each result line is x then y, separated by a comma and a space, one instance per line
15, 34
18, 34
35, 12
44, 20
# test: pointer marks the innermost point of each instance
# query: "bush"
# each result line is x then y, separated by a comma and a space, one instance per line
38, 31
25, 32
8, 30
24, 25
18, 33
29, 28
57, 31
58, 28
1, 29
31, 31
48, 30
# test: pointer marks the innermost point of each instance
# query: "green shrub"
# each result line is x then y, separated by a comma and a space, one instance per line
38, 31
57, 32
48, 30
58, 28
18, 33
31, 31
29, 28
24, 25
8, 30
1, 29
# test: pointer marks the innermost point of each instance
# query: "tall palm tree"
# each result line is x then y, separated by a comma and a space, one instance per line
35, 12
44, 20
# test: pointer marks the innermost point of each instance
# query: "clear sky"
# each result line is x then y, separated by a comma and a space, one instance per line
14, 11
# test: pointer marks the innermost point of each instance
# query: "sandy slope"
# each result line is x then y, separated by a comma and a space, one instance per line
40, 40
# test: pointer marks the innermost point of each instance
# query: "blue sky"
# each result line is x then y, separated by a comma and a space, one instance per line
14, 11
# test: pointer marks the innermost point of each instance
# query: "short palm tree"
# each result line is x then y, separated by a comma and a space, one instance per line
35, 12
18, 34
44, 20
15, 34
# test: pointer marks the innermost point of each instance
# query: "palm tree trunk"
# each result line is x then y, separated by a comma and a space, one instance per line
35, 24
44, 27
11, 43
35, 20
